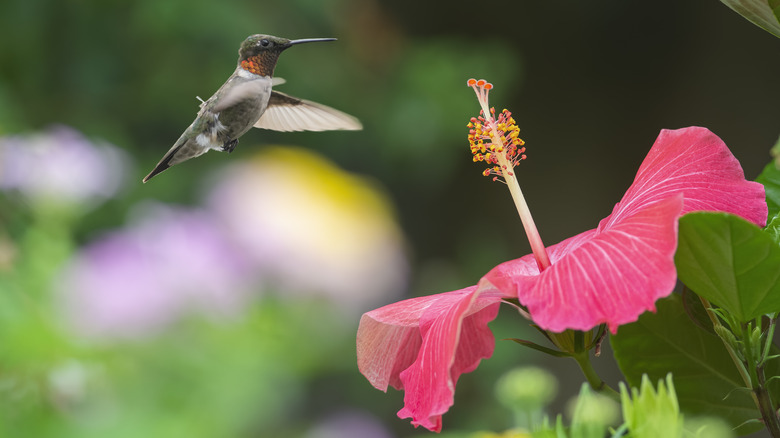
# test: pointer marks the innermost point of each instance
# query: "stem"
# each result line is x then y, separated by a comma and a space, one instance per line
760, 393
583, 360
732, 353
756, 380
765, 403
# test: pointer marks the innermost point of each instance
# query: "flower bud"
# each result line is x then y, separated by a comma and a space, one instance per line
526, 389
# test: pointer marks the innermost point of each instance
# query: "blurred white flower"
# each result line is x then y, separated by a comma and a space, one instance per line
60, 166
169, 263
68, 383
313, 228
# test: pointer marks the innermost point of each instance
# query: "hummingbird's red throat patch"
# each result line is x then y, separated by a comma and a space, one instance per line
253, 65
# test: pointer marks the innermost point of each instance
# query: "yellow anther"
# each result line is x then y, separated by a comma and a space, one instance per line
494, 138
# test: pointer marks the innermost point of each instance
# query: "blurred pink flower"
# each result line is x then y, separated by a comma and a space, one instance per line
60, 165
607, 275
139, 280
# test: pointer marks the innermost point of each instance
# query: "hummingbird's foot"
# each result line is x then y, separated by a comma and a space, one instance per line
229, 145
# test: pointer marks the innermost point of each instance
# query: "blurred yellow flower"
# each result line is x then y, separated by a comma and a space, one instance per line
311, 227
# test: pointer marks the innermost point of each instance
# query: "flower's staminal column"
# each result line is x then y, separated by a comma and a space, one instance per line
495, 141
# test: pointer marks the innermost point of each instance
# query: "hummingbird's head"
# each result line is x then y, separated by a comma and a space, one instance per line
258, 53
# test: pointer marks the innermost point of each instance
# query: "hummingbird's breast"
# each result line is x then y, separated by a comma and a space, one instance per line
239, 118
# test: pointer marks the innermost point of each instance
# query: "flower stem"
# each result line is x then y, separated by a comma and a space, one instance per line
595, 382
537, 246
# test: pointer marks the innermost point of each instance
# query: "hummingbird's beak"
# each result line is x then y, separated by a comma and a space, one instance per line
310, 40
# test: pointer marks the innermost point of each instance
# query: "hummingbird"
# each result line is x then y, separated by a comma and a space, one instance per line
247, 99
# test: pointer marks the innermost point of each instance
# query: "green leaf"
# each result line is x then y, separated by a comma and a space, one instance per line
538, 347
705, 378
730, 262
775, 5
773, 228
770, 178
775, 151
696, 311
759, 12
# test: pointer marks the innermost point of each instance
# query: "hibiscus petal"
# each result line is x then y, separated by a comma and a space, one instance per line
609, 277
423, 345
697, 163
388, 341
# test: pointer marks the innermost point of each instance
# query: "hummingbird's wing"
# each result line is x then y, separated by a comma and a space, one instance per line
287, 113
237, 90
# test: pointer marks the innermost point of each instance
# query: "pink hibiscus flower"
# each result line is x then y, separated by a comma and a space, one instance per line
615, 272
608, 275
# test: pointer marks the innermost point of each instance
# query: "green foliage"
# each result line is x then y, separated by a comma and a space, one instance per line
730, 262
200, 379
775, 151
707, 383
775, 5
773, 228
770, 178
764, 14
241, 375
649, 413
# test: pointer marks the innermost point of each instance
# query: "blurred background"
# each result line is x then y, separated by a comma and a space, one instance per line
223, 297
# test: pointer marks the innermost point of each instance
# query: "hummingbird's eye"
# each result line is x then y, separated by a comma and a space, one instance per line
265, 43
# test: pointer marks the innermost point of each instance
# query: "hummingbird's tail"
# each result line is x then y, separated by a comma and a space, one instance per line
161, 166
184, 149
